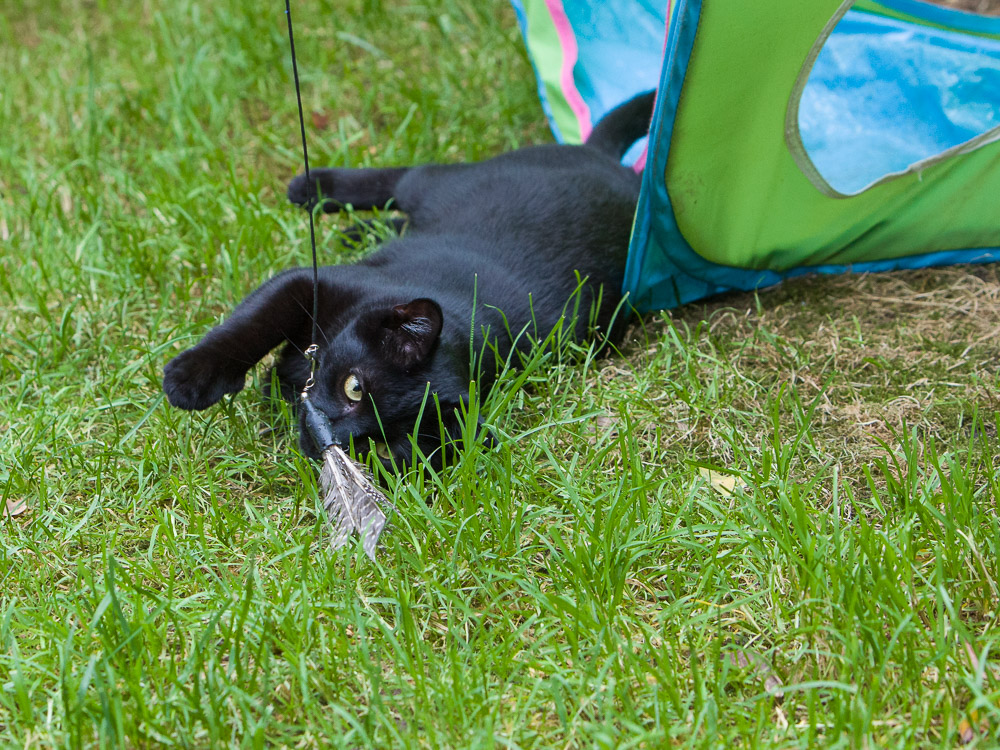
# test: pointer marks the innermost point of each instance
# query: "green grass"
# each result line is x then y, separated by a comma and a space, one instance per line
771, 522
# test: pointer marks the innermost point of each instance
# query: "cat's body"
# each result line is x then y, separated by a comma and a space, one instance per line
490, 250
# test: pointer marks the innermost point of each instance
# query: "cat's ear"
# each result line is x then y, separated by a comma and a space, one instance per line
410, 331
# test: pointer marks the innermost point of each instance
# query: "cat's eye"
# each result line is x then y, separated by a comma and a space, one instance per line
352, 388
383, 452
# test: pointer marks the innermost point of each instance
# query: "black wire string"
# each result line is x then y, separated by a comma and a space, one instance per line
305, 159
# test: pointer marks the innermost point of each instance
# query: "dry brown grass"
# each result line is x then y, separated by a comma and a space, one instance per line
877, 354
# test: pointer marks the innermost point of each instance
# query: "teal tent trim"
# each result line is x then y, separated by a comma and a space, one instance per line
655, 276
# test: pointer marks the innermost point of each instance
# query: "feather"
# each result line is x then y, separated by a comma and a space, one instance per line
352, 502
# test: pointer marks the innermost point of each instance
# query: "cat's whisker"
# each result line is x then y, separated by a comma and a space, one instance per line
429, 435
312, 322
297, 348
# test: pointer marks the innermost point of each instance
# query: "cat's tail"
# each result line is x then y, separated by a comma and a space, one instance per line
623, 126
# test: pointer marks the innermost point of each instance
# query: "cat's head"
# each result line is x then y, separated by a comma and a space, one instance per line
383, 377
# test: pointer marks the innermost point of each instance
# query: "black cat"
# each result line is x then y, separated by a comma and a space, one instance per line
490, 250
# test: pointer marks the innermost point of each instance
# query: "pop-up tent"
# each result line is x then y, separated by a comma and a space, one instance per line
788, 137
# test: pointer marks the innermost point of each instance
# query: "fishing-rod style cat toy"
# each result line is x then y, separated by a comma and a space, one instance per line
352, 502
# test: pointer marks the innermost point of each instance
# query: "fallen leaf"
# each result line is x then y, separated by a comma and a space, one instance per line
14, 508
600, 425
724, 484
972, 727
320, 120
4, 230
746, 658
966, 734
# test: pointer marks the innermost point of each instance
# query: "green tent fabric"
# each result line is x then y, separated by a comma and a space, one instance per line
747, 178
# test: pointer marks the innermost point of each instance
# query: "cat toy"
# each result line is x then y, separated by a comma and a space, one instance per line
353, 504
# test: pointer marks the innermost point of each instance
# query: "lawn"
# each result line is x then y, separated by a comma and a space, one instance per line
769, 522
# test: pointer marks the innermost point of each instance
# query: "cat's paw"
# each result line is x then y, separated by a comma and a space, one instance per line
193, 381
307, 193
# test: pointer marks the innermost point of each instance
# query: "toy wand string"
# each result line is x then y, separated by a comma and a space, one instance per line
352, 502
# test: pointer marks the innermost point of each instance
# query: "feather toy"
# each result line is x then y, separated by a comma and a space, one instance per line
352, 502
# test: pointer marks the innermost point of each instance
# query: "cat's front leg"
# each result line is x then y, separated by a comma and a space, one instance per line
363, 189
276, 312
